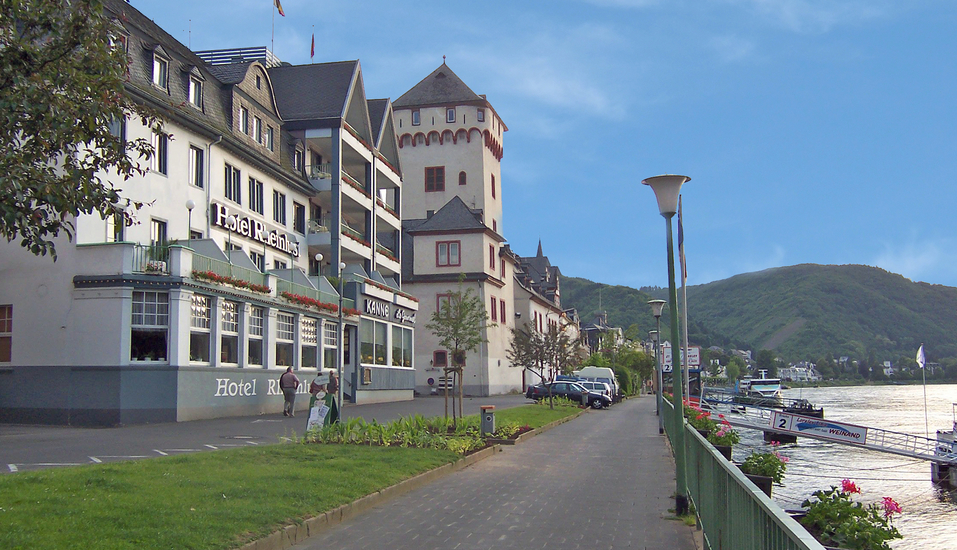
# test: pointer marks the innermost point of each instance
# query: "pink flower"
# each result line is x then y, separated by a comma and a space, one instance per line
849, 487
890, 507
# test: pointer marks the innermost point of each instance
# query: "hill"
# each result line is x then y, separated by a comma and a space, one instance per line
802, 311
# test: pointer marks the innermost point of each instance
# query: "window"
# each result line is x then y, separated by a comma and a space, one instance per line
115, 227
197, 235
480, 115
462, 178
244, 120
195, 92
200, 320
118, 128
232, 178
258, 259
440, 358
258, 130
268, 138
501, 312
230, 339
372, 342
6, 333
149, 326
259, 82
435, 178
309, 329
278, 264
447, 254
493, 186
299, 217
491, 257
329, 345
501, 265
278, 207
416, 119
256, 196
157, 233
160, 159
257, 326
401, 346
195, 166
494, 309
442, 301
285, 334
298, 159
494, 226
160, 71
450, 114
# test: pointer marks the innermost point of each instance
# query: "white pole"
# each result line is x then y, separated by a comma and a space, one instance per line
685, 362
923, 372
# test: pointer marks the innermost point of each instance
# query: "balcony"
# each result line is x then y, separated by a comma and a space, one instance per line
386, 259
388, 214
317, 234
320, 176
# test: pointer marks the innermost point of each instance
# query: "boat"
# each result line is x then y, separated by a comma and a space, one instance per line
943, 471
762, 391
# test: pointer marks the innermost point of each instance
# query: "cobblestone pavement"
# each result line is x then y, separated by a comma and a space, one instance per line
604, 480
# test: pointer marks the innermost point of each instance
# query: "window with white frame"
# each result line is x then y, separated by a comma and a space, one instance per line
200, 320
330, 341
233, 178
258, 129
116, 227
160, 71
244, 120
299, 217
401, 346
160, 159
279, 264
257, 328
6, 333
278, 207
256, 196
309, 329
195, 92
230, 338
298, 159
269, 138
196, 166
416, 118
149, 326
450, 114
258, 259
285, 335
480, 115
447, 254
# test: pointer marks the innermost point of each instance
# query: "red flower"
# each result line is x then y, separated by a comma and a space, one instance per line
890, 507
849, 487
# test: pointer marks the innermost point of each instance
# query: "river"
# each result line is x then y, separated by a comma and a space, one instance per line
929, 519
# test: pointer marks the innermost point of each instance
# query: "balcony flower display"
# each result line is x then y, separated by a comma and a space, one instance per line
834, 519
724, 434
321, 306
213, 277
770, 464
700, 419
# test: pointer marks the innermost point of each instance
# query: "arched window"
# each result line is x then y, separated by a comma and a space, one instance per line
462, 178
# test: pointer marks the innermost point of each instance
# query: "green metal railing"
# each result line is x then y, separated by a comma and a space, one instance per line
283, 285
152, 258
226, 269
733, 513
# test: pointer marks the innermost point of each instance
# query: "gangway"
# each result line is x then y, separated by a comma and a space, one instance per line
876, 439
718, 396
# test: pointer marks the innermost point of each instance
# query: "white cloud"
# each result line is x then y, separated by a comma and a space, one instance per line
730, 48
918, 260
814, 16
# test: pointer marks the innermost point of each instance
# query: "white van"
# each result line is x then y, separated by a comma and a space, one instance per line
600, 374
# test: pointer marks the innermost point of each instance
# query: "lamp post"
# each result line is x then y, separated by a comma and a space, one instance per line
340, 342
190, 205
656, 307
667, 188
318, 258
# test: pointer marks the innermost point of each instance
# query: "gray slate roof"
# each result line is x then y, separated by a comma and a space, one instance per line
441, 87
454, 216
233, 73
377, 108
312, 92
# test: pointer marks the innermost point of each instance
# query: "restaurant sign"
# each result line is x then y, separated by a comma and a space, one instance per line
385, 310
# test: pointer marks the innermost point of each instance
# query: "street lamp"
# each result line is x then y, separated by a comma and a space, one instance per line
656, 307
190, 205
318, 257
342, 266
667, 188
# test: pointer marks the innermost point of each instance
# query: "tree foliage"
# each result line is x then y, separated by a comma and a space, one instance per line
62, 80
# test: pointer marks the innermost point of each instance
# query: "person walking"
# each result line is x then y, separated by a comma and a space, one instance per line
289, 383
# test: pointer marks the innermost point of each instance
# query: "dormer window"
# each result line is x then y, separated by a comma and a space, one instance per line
450, 114
244, 120
258, 130
259, 82
297, 160
268, 138
416, 119
480, 115
195, 92
160, 72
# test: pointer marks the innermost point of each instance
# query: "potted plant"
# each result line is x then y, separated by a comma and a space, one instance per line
834, 519
765, 468
700, 419
724, 438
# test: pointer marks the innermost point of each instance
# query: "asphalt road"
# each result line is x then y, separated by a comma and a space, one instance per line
28, 447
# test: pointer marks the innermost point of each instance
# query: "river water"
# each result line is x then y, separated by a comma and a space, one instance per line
929, 520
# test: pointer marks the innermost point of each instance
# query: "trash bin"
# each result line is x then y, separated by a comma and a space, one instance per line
488, 419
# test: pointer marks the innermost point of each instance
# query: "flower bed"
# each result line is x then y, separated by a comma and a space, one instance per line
213, 277
321, 306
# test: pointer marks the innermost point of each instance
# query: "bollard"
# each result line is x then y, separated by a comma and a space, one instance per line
488, 419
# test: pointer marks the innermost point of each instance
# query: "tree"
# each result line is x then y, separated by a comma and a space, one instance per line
62, 78
536, 352
459, 324
765, 361
734, 369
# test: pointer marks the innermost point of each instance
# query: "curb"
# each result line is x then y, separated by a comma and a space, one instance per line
292, 535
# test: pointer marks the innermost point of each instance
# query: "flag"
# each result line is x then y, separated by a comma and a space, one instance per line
312, 50
279, 7
920, 356
681, 246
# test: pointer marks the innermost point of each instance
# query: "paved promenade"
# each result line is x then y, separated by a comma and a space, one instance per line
604, 480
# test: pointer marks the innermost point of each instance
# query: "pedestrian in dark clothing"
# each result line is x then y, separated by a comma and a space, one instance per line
289, 383
333, 385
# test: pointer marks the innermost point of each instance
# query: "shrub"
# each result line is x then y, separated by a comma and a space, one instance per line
836, 520
768, 464
724, 435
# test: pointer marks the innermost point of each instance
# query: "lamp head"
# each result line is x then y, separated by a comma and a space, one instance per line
667, 188
656, 307
190, 205
342, 265
318, 257
653, 334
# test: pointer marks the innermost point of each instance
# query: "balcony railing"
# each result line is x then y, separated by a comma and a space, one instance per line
356, 235
316, 226
320, 171
152, 258
346, 177
283, 285
226, 269
386, 252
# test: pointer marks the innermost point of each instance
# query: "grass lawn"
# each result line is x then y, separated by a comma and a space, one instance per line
213, 500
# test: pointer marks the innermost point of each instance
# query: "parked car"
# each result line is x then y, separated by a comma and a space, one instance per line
569, 390
598, 387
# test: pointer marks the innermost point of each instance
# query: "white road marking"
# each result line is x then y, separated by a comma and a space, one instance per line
257, 421
183, 450
94, 459
13, 467
212, 447
160, 452
252, 443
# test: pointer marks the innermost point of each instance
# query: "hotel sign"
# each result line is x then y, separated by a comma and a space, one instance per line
253, 229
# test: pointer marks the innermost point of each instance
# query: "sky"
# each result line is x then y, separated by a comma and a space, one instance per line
813, 131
